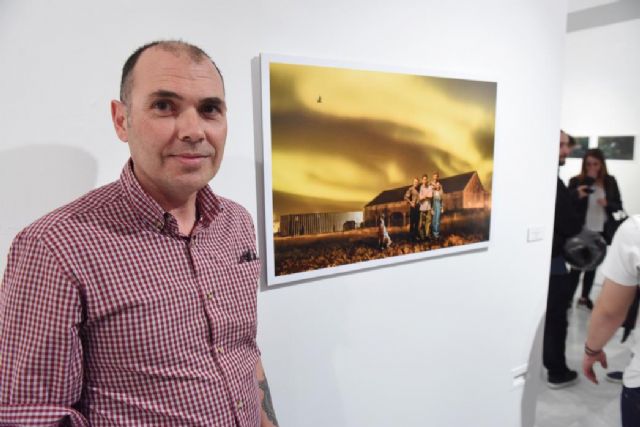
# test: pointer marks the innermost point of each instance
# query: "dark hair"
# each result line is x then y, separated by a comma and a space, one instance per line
572, 140
595, 153
425, 176
175, 46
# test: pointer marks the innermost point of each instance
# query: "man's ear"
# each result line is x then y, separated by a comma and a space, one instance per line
119, 118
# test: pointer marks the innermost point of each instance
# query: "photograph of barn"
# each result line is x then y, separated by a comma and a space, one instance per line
338, 162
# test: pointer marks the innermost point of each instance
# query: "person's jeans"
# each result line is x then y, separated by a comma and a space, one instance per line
435, 221
630, 407
425, 224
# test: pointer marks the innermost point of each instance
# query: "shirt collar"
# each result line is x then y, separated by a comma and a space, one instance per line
207, 203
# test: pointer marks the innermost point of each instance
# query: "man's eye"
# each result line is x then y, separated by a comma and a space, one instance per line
162, 106
209, 109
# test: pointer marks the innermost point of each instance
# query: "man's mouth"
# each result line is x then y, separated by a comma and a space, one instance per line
190, 159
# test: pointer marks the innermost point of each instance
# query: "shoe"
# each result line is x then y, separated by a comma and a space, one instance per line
563, 380
614, 377
585, 302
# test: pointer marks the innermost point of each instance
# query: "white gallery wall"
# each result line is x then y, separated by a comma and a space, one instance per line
430, 343
600, 96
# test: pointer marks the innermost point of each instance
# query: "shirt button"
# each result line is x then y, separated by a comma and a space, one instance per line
220, 349
159, 225
239, 404
209, 295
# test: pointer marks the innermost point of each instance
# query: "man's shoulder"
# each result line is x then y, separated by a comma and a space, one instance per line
628, 235
62, 217
631, 227
232, 209
561, 183
562, 192
234, 217
622, 264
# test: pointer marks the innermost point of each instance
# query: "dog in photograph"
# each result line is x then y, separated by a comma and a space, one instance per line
383, 235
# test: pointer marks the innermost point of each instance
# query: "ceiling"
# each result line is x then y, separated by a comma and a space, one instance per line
575, 5
585, 14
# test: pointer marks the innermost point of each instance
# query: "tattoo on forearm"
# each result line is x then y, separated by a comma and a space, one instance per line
267, 404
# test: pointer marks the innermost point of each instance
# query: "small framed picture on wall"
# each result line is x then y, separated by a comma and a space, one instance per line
617, 147
582, 145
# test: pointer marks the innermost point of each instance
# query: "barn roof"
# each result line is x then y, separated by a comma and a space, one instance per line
456, 182
389, 196
449, 185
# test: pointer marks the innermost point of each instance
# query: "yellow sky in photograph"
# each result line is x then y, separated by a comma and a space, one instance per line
345, 135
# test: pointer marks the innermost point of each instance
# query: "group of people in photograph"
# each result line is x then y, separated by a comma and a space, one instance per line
425, 208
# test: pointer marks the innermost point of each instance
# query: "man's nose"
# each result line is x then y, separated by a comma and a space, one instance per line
190, 126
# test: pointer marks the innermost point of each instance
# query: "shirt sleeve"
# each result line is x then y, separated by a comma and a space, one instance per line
40, 349
622, 264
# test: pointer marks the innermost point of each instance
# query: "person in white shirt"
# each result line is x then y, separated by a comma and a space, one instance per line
621, 269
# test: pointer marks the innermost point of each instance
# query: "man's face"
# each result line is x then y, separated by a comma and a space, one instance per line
415, 182
174, 122
425, 180
434, 177
565, 149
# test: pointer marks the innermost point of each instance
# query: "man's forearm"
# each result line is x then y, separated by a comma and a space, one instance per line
268, 415
609, 313
601, 328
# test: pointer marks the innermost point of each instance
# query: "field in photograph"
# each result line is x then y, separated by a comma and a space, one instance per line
313, 252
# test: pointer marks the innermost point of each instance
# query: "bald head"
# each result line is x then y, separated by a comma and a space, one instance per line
176, 47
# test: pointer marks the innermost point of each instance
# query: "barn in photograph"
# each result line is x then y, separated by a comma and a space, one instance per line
461, 192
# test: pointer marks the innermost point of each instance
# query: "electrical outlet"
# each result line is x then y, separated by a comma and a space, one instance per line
535, 233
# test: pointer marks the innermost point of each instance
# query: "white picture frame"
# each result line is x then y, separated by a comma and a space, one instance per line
293, 131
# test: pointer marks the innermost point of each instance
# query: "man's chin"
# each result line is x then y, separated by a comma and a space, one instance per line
562, 162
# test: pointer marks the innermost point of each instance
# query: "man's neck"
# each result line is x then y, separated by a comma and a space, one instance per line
186, 217
182, 208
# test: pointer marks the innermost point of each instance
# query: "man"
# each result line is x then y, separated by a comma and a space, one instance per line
424, 197
136, 304
411, 197
567, 223
621, 270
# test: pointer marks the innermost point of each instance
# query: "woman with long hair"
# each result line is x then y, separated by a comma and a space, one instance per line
595, 210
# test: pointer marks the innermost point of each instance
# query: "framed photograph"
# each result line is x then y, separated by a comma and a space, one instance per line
582, 145
370, 166
617, 147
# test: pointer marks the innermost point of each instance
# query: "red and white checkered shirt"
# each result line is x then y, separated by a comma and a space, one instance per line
108, 316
